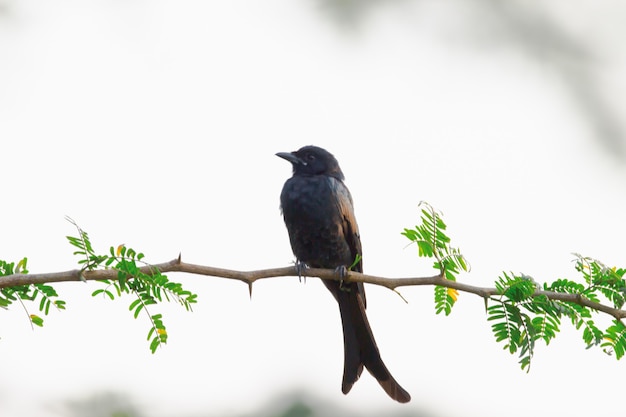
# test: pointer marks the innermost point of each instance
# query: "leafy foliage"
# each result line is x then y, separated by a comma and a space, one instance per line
148, 285
523, 314
520, 318
44, 294
520, 310
432, 241
90, 260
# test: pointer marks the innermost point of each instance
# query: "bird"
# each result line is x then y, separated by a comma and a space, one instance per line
318, 212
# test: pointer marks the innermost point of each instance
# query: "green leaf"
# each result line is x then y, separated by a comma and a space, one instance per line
156, 342
36, 320
21, 266
134, 304
425, 249
615, 339
444, 299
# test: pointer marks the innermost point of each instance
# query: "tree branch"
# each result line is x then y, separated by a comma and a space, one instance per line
249, 277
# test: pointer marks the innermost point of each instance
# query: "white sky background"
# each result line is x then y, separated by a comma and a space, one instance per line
155, 124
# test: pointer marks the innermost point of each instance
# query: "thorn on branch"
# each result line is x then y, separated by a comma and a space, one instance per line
400, 295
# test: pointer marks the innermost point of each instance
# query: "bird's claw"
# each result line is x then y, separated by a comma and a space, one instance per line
301, 268
342, 271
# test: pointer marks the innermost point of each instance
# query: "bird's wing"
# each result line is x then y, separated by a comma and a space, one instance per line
350, 227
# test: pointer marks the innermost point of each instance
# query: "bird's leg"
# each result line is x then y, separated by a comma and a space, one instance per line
301, 268
342, 271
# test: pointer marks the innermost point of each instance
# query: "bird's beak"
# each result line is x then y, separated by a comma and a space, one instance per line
289, 156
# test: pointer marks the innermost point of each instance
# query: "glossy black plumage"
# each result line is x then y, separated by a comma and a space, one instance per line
323, 232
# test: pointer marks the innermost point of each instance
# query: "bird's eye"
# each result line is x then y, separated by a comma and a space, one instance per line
310, 157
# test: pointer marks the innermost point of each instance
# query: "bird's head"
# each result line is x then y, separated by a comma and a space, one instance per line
313, 160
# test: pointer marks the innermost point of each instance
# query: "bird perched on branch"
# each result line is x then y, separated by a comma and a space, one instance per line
319, 215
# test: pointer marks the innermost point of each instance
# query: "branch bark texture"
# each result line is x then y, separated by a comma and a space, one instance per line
249, 277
